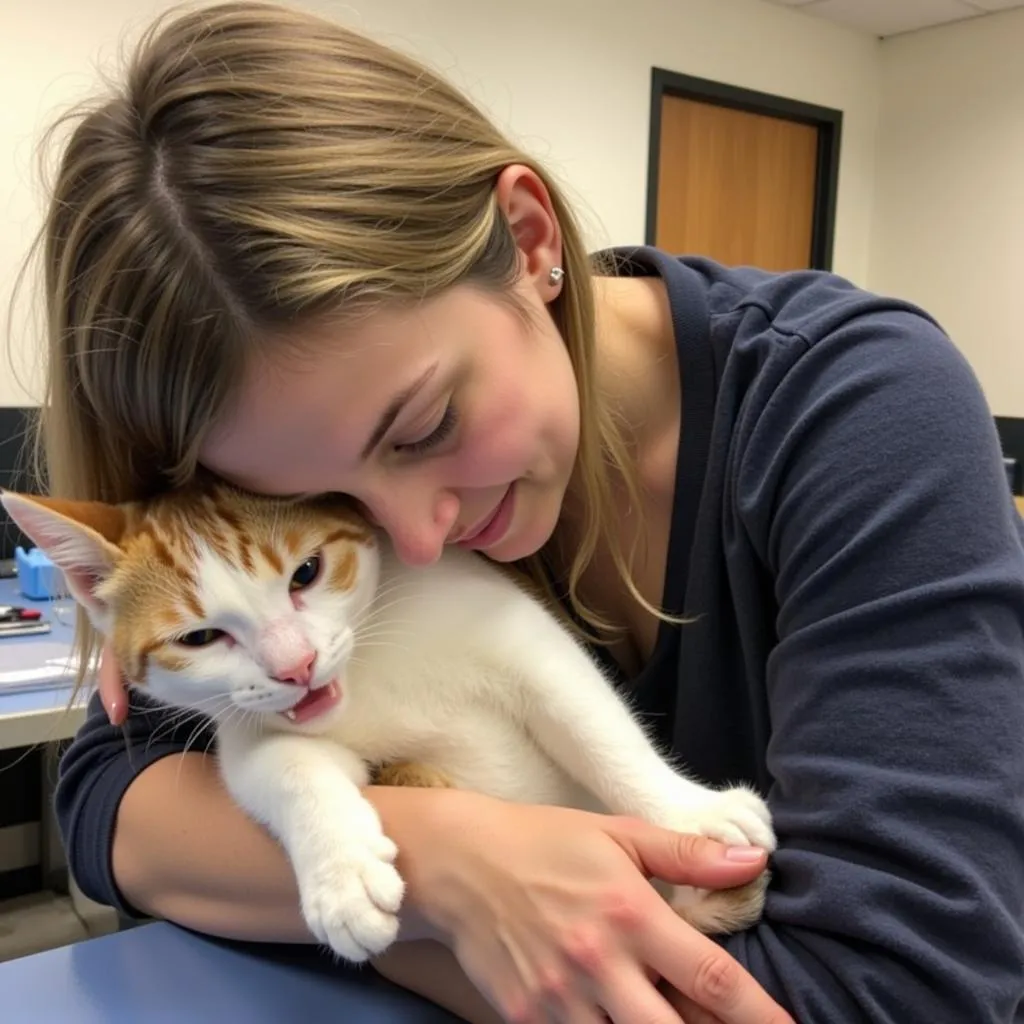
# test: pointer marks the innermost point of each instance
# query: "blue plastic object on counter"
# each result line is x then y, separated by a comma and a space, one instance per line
38, 578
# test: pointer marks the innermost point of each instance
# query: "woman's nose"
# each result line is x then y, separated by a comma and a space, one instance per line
418, 530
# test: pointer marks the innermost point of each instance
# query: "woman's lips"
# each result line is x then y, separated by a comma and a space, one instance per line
492, 529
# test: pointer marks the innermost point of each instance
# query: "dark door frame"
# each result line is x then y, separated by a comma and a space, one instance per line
829, 123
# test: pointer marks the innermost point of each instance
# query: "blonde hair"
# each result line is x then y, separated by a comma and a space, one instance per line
260, 168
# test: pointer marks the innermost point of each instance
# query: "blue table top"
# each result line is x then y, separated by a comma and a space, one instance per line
161, 974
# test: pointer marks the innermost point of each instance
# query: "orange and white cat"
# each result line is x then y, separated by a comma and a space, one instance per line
322, 658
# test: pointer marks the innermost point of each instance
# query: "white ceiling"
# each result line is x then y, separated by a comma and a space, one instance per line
891, 17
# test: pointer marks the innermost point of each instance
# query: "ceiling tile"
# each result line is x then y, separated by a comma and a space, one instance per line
996, 5
889, 17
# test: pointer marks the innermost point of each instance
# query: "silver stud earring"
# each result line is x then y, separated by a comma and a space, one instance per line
555, 275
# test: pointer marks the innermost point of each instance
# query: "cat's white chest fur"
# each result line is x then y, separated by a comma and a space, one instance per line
431, 682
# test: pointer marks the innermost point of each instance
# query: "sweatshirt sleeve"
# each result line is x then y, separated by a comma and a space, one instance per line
873, 489
95, 771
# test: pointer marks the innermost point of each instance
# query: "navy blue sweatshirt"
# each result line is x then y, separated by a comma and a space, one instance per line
845, 541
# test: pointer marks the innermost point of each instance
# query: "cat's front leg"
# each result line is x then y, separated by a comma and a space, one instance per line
306, 791
575, 715
573, 712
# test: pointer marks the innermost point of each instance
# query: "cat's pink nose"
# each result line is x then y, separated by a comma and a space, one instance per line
300, 672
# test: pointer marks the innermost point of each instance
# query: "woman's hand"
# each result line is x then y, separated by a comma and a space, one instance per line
550, 913
113, 692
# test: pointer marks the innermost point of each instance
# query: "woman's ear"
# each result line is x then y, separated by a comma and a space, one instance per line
524, 199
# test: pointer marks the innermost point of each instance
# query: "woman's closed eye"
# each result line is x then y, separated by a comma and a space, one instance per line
438, 434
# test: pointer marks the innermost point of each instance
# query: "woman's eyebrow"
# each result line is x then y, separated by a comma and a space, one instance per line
394, 408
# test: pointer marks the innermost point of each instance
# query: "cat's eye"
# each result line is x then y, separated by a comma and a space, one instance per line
305, 575
201, 637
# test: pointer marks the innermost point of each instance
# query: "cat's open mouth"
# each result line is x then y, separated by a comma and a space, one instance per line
315, 703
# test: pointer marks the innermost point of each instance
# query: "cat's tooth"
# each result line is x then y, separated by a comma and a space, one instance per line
290, 714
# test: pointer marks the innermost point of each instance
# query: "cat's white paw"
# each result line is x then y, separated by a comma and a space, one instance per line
350, 900
737, 817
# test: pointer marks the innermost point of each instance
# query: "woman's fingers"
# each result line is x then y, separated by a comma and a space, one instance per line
593, 980
704, 973
687, 1009
682, 858
113, 694
628, 997
572, 1009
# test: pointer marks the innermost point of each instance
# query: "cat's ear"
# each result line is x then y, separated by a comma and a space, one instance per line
80, 537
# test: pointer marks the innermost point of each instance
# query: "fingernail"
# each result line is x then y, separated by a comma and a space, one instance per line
744, 854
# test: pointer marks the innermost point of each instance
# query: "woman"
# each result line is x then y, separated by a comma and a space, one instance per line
304, 262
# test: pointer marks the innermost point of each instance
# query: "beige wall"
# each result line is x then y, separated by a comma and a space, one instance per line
931, 209
570, 77
948, 228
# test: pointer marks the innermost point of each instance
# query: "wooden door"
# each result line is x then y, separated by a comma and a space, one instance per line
735, 185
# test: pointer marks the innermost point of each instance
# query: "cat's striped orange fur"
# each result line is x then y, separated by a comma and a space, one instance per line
154, 584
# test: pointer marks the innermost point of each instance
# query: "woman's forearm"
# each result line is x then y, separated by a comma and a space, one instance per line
185, 851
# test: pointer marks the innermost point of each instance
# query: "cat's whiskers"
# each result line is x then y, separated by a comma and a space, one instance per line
383, 640
388, 593
197, 731
177, 716
390, 625
384, 601
357, 660
188, 744
378, 645
381, 616
390, 584
396, 635
178, 713
229, 713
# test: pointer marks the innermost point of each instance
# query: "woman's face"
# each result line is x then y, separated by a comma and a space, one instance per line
456, 422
